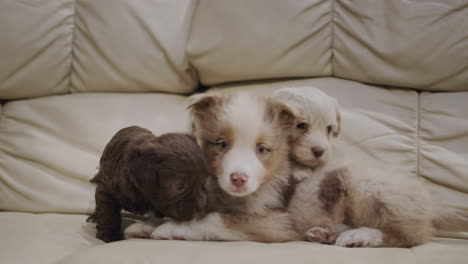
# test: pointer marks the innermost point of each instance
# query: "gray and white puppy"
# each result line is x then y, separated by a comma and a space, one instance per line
350, 202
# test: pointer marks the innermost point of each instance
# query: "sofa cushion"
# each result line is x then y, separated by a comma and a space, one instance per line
444, 147
132, 46
54, 47
50, 147
35, 47
150, 251
249, 40
417, 44
58, 238
43, 238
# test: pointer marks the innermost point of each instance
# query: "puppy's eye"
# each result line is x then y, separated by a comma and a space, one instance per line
302, 125
262, 150
222, 144
181, 187
329, 130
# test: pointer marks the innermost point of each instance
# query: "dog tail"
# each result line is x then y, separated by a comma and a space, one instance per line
448, 219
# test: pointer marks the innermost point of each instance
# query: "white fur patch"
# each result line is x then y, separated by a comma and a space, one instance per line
245, 115
360, 237
211, 228
139, 230
241, 160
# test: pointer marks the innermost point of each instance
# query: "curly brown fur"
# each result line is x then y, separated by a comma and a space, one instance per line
140, 172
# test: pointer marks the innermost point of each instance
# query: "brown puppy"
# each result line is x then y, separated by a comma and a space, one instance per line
142, 173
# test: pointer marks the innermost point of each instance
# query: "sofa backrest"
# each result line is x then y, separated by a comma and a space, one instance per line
61, 46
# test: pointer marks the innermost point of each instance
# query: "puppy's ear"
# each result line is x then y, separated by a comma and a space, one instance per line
281, 113
137, 160
337, 129
204, 105
282, 105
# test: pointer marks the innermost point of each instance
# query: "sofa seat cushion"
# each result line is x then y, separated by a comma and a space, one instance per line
42, 238
60, 238
440, 250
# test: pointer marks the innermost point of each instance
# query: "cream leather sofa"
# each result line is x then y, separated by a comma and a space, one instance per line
73, 72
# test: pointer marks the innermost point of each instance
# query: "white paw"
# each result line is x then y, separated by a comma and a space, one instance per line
139, 230
360, 237
171, 230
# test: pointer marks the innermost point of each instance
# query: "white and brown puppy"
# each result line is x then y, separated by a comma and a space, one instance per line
317, 122
245, 141
349, 202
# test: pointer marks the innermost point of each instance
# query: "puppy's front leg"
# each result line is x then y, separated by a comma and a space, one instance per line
107, 216
211, 227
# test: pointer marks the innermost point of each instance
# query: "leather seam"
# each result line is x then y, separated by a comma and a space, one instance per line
72, 54
194, 71
418, 137
333, 38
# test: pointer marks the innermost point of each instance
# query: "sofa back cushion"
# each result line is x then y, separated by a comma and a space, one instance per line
35, 48
60, 46
132, 46
263, 39
415, 44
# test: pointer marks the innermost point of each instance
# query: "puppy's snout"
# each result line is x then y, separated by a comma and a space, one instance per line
238, 179
317, 151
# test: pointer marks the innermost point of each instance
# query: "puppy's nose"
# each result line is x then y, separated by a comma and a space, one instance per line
318, 151
238, 179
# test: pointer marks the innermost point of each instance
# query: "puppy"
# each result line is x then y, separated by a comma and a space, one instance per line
140, 172
245, 141
317, 121
352, 203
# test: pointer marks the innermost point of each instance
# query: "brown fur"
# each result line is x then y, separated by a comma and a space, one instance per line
140, 172
331, 190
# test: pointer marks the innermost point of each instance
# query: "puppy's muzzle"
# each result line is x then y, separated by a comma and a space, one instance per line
317, 152
238, 179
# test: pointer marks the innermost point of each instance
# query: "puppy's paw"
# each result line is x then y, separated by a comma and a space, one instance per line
175, 231
321, 234
139, 230
360, 237
165, 231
